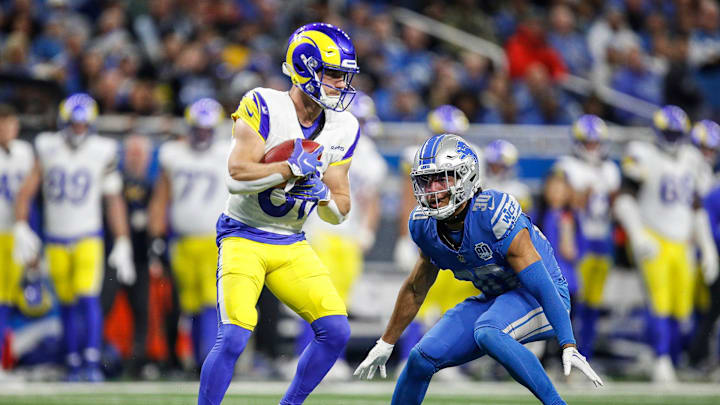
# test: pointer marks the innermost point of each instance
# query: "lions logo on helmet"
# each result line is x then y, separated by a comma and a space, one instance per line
705, 135
445, 168
589, 134
671, 124
315, 50
447, 119
76, 116
203, 116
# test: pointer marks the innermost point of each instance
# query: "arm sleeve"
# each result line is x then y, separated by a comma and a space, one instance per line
537, 280
711, 206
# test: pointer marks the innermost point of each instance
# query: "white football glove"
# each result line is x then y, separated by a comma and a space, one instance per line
405, 254
26, 244
643, 245
121, 258
376, 359
572, 358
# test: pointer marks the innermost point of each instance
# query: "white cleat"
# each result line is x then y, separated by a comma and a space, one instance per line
664, 371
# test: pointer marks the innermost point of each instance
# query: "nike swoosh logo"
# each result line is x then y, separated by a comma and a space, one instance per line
248, 111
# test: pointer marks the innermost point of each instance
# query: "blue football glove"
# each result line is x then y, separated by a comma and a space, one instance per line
310, 189
302, 163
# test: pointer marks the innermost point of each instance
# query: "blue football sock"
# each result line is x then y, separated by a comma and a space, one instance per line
660, 334
414, 379
412, 335
519, 362
303, 338
195, 330
219, 366
91, 310
4, 311
208, 331
676, 341
68, 316
331, 335
586, 338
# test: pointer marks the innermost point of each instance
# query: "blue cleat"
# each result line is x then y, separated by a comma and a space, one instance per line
94, 374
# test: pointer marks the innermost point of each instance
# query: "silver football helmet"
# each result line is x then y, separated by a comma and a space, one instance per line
445, 168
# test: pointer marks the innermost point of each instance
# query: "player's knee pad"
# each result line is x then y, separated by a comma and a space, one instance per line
485, 336
232, 339
419, 366
332, 330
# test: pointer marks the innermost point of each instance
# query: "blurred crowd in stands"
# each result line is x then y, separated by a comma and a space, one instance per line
155, 57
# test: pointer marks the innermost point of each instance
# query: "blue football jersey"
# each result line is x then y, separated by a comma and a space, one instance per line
493, 220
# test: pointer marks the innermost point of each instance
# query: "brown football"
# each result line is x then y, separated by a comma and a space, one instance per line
282, 152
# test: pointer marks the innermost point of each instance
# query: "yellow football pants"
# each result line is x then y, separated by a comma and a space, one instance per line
593, 270
76, 269
670, 278
193, 260
293, 273
344, 259
10, 272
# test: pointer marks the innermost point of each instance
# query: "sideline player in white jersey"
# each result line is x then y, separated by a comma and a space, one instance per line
16, 160
447, 290
260, 234
341, 247
595, 180
191, 186
660, 211
501, 157
76, 168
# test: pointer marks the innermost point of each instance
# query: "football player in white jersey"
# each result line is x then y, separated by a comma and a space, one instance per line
595, 180
191, 186
501, 157
16, 160
659, 209
447, 290
341, 247
260, 234
76, 168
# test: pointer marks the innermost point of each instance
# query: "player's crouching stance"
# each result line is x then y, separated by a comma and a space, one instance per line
260, 234
483, 237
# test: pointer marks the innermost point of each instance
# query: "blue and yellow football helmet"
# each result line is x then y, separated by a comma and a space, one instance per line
671, 124
76, 117
589, 134
315, 50
705, 135
447, 119
203, 116
501, 152
363, 108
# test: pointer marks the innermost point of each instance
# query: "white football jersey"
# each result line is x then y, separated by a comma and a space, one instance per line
669, 186
197, 185
512, 186
366, 176
601, 181
272, 115
74, 180
15, 163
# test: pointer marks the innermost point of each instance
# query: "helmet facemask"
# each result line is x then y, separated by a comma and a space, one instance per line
316, 89
451, 179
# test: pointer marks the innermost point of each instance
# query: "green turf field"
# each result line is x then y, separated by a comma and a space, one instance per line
357, 393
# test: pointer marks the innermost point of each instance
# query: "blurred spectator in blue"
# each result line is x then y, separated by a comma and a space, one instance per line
474, 71
467, 16
498, 102
446, 84
636, 78
507, 18
413, 61
162, 18
407, 106
704, 53
528, 46
655, 37
539, 101
680, 84
606, 38
571, 45
49, 44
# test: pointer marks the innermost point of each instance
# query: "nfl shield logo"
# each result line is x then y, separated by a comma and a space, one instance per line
483, 251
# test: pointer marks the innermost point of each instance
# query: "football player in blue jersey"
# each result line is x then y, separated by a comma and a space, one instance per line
482, 237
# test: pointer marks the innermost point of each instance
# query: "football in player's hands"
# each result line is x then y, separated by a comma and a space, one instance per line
284, 150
